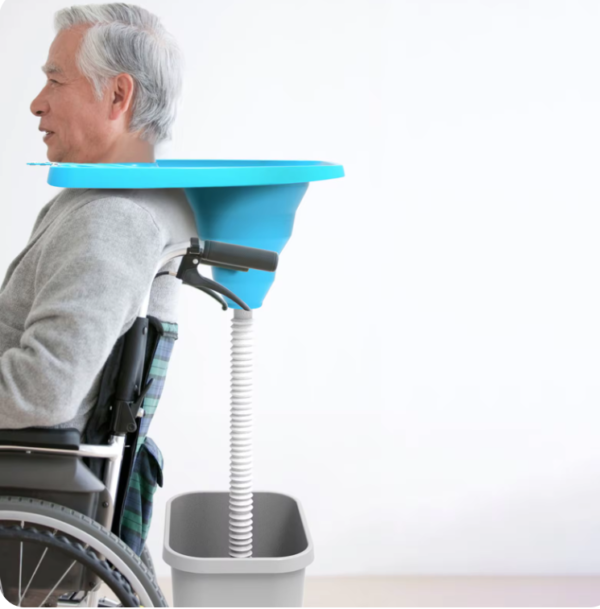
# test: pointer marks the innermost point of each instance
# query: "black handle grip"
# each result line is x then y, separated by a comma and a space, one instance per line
216, 253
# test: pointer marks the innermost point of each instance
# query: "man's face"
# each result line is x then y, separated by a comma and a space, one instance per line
81, 131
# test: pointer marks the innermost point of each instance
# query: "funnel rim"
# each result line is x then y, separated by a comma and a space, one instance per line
190, 173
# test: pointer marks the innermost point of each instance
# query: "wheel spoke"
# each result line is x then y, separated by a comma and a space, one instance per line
57, 584
20, 565
21, 597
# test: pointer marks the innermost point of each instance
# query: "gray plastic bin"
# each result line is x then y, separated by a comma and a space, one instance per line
196, 548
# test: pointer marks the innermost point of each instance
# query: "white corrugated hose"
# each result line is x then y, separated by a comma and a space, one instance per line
240, 482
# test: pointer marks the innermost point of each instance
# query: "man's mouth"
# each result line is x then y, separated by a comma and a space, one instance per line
48, 135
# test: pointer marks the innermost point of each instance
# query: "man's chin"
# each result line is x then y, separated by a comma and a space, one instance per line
53, 156
58, 156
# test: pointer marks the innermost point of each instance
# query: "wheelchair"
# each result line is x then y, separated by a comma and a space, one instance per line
70, 533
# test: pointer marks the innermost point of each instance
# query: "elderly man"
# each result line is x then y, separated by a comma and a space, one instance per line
113, 77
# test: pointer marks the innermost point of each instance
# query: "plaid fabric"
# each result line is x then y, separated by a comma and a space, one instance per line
148, 464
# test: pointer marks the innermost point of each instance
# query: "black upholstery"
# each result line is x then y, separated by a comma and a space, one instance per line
41, 437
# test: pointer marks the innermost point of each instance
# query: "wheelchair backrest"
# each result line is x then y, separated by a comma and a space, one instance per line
143, 462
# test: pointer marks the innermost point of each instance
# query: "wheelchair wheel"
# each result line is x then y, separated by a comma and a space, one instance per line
146, 558
51, 555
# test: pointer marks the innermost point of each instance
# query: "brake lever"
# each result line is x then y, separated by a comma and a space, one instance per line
194, 278
213, 295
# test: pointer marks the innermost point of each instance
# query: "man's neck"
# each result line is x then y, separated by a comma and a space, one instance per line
130, 150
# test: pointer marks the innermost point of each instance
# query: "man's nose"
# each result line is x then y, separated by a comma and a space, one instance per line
39, 107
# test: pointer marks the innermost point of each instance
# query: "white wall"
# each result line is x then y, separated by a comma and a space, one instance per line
427, 361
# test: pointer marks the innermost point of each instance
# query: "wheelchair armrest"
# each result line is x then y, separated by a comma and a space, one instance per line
40, 437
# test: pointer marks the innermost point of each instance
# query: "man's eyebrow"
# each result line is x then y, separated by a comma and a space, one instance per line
51, 68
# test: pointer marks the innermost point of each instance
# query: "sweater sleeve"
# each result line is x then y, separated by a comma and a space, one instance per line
92, 276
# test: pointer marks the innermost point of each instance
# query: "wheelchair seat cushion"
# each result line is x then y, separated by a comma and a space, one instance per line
41, 437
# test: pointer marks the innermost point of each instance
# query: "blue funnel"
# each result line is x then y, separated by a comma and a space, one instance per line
255, 216
250, 203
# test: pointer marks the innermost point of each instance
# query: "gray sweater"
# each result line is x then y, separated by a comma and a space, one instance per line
75, 288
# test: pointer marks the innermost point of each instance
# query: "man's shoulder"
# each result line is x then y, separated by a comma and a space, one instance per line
100, 211
156, 201
168, 209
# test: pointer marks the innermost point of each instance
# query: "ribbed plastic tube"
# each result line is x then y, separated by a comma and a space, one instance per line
240, 482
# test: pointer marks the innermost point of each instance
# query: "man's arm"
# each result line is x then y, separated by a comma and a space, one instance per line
91, 280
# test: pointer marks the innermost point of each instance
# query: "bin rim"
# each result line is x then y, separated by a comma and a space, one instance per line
228, 565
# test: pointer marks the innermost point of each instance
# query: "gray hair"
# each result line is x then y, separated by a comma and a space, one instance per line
129, 39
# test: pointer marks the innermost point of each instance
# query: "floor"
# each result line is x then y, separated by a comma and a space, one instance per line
445, 591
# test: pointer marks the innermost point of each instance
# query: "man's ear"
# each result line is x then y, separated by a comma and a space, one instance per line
122, 95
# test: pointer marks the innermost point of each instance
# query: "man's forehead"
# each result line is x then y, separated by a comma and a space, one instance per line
61, 57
